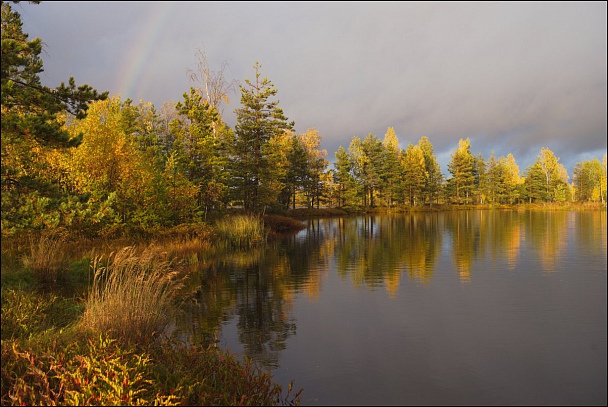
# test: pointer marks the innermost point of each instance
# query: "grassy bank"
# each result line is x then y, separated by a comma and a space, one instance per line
102, 342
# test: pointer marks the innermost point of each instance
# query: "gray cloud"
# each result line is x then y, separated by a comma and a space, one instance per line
514, 77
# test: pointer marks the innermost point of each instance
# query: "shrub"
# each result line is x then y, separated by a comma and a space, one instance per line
93, 371
27, 313
210, 376
97, 370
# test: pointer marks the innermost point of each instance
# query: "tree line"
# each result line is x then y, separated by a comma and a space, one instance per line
72, 156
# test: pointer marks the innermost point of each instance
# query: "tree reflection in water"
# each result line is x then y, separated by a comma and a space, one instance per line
255, 290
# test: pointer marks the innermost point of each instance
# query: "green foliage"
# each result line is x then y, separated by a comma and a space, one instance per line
27, 211
391, 168
348, 190
588, 179
199, 150
27, 314
494, 185
366, 157
30, 120
258, 121
547, 179
535, 183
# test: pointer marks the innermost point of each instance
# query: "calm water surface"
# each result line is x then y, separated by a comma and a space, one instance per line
469, 307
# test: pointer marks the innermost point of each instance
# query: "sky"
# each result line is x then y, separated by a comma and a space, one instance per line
513, 77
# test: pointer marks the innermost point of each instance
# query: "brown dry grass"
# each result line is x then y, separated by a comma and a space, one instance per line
132, 294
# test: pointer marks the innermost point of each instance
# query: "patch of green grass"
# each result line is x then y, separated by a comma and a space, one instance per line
240, 231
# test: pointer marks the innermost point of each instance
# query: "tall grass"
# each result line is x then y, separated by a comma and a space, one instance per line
131, 294
240, 231
47, 256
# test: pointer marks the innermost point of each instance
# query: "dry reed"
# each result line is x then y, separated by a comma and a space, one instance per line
47, 255
132, 294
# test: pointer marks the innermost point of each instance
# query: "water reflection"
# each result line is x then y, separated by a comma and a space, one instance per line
256, 291
548, 233
468, 238
374, 251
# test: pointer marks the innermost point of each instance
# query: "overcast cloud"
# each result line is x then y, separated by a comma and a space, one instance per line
511, 76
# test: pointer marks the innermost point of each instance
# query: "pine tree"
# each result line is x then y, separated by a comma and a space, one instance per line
200, 149
391, 171
434, 178
494, 179
479, 175
461, 167
371, 168
297, 172
258, 120
30, 116
535, 183
348, 189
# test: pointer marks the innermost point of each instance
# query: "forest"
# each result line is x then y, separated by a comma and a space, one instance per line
77, 158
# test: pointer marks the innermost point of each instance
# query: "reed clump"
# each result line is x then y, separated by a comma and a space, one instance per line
47, 256
240, 231
131, 294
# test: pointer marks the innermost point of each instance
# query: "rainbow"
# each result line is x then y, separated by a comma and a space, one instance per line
133, 74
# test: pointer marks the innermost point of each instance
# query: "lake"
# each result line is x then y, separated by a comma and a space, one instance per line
463, 307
